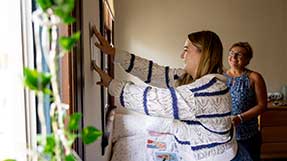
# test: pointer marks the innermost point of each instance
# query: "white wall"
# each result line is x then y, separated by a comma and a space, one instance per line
157, 29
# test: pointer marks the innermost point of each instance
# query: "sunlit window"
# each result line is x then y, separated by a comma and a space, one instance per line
15, 125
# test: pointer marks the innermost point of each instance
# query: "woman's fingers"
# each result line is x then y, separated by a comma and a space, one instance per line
98, 69
105, 77
106, 49
94, 65
98, 45
104, 45
100, 83
101, 47
99, 36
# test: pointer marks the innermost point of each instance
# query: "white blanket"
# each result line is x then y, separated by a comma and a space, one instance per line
139, 137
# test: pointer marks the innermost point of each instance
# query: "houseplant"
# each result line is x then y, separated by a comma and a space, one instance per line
57, 145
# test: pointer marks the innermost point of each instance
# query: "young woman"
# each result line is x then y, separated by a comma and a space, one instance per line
195, 98
249, 97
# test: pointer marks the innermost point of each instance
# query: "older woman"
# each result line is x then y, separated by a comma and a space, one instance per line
195, 98
249, 97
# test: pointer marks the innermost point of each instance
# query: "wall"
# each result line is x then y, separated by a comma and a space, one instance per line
157, 30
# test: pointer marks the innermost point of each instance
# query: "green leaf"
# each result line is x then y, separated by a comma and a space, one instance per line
64, 9
68, 42
69, 19
58, 2
9, 160
45, 4
68, 6
90, 134
76, 36
59, 12
66, 18
50, 144
74, 121
47, 91
70, 157
37, 81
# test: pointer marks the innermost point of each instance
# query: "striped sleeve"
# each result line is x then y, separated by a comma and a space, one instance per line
148, 71
205, 98
162, 102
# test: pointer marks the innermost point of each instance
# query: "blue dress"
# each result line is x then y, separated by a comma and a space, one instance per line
243, 99
242, 154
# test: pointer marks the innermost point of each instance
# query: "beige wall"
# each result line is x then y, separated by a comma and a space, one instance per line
157, 29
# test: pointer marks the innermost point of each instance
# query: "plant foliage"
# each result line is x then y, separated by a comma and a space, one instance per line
55, 146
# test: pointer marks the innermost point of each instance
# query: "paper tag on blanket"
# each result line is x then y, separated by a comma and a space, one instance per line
154, 133
155, 144
165, 156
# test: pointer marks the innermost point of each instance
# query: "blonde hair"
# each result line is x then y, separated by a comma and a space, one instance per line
210, 46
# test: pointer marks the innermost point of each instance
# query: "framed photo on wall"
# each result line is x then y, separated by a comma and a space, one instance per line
107, 101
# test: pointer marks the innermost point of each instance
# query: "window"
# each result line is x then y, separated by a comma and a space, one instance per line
17, 110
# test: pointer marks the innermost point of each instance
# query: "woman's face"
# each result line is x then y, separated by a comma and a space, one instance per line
191, 57
237, 58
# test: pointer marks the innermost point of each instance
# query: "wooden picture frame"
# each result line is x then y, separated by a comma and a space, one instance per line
107, 101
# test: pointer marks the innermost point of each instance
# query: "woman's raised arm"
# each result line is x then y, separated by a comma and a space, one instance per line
146, 70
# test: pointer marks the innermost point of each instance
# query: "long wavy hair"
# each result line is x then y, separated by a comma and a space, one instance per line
210, 46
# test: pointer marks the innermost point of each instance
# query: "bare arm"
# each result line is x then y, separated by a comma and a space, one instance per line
261, 96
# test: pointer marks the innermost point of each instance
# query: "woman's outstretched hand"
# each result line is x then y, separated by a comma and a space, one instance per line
104, 45
235, 120
105, 77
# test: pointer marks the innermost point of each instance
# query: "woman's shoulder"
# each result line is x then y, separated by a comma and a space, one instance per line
254, 76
